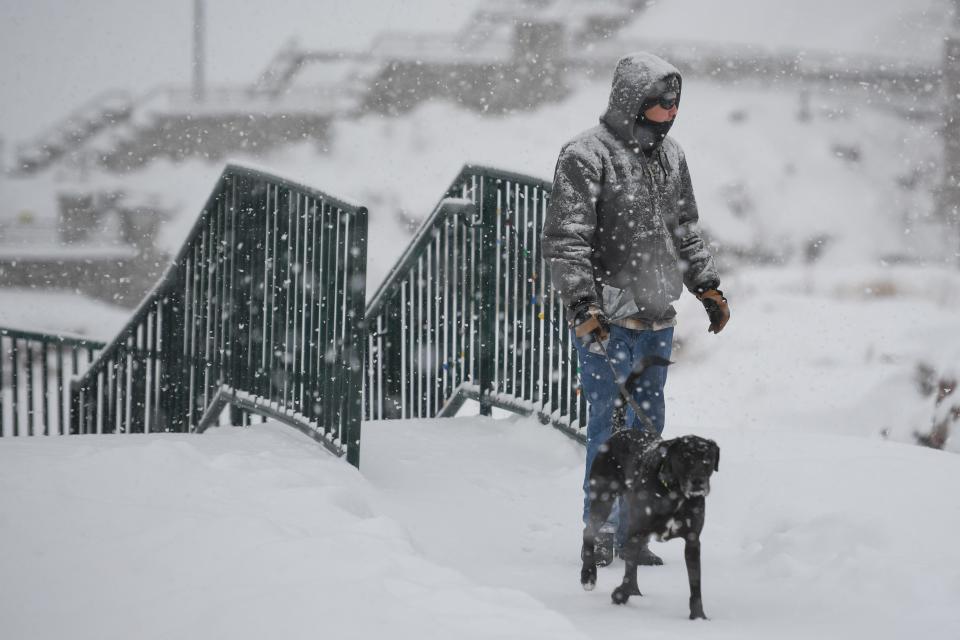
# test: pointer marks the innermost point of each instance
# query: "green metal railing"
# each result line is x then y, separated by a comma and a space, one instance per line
261, 310
468, 312
35, 370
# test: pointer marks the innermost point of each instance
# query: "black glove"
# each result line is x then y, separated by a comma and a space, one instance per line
716, 307
589, 324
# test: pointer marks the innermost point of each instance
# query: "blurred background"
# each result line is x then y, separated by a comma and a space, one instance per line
823, 137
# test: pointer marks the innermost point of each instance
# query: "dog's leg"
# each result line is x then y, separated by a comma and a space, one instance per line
629, 587
588, 554
601, 504
691, 554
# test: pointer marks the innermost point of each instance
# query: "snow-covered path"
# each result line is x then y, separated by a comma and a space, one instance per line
806, 536
237, 534
458, 528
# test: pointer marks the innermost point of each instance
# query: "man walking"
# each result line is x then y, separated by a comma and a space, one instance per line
622, 238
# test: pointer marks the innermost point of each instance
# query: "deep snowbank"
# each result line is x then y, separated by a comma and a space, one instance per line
60, 312
240, 534
822, 348
462, 528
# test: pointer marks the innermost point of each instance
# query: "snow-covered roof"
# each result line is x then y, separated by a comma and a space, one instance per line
902, 29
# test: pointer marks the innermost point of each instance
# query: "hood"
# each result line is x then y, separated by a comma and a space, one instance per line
633, 82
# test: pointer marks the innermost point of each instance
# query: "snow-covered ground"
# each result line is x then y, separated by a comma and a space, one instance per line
824, 522
824, 349
460, 528
906, 30
60, 312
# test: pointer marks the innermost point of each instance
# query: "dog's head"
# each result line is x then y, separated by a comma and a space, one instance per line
687, 464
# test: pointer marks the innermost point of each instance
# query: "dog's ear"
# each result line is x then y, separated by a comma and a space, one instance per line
665, 473
716, 455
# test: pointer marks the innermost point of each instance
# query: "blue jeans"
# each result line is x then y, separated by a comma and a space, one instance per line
626, 347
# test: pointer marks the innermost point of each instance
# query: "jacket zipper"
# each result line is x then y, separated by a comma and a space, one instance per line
655, 196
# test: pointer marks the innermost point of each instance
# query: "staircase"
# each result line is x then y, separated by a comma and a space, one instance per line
261, 311
262, 314
509, 55
72, 132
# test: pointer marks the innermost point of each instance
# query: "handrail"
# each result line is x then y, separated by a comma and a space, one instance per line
170, 273
262, 311
446, 207
468, 312
227, 396
89, 105
71, 131
502, 174
34, 390
64, 338
265, 297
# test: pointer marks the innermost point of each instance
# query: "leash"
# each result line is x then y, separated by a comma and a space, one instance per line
625, 393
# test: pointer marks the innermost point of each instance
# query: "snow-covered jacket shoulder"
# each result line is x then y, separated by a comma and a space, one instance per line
622, 229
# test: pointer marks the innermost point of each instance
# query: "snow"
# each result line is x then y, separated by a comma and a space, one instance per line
459, 528
144, 45
767, 182
806, 535
49, 251
825, 349
895, 29
236, 533
857, 173
825, 519
60, 312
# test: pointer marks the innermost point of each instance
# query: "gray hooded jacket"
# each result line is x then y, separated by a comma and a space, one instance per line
621, 231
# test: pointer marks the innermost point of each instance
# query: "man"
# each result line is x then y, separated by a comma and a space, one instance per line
622, 239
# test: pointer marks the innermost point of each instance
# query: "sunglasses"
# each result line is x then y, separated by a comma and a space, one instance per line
668, 100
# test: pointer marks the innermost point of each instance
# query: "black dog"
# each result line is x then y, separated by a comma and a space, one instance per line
665, 483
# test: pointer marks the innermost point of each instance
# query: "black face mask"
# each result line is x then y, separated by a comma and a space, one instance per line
650, 134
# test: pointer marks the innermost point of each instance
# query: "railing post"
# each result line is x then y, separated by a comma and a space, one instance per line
235, 212
74, 426
486, 354
390, 356
171, 374
356, 337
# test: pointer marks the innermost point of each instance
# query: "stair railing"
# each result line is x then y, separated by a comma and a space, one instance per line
262, 310
103, 110
468, 312
35, 371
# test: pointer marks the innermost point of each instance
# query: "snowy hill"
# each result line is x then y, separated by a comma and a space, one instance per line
462, 528
853, 180
777, 172
900, 29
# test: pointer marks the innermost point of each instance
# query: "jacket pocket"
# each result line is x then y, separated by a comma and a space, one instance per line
617, 303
